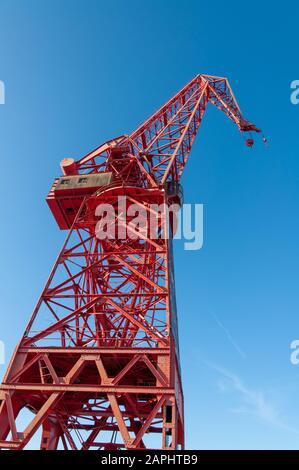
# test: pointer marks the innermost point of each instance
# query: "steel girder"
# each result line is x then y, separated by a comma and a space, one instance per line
98, 364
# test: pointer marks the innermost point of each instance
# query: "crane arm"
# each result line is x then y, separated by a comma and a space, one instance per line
222, 96
161, 145
165, 140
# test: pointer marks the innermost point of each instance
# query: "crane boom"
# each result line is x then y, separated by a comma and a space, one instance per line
163, 142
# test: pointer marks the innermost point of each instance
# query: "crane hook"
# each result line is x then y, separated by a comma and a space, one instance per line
249, 142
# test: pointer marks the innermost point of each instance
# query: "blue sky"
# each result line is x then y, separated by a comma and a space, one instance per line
77, 73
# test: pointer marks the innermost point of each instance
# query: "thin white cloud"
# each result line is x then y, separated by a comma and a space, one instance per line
229, 337
251, 401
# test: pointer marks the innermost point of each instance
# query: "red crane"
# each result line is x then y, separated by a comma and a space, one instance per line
98, 364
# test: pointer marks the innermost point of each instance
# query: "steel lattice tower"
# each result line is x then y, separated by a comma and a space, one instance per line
98, 364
